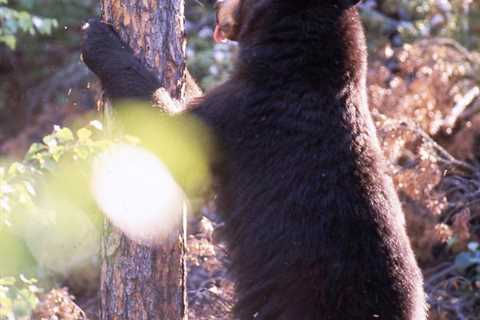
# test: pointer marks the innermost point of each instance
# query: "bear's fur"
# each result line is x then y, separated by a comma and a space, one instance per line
313, 224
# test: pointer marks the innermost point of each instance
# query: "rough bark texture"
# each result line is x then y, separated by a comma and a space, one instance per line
140, 282
154, 29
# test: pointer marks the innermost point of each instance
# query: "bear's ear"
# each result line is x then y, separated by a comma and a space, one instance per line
352, 3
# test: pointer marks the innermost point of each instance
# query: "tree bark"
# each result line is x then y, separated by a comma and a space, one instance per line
140, 282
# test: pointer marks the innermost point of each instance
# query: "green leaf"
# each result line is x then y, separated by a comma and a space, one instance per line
25, 22
84, 135
40, 158
16, 168
57, 152
9, 40
64, 135
50, 141
82, 152
34, 150
48, 164
7, 281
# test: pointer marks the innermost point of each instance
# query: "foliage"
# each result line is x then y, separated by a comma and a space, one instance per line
209, 63
69, 14
36, 61
18, 297
386, 21
43, 205
403, 21
13, 22
50, 200
19, 180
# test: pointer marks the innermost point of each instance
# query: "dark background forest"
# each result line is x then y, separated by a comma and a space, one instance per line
424, 90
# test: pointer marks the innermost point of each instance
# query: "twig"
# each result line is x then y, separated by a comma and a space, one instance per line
471, 57
470, 112
445, 157
461, 106
440, 275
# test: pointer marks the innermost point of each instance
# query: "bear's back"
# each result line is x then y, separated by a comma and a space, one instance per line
313, 222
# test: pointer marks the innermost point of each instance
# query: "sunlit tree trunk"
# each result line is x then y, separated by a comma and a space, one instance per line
139, 282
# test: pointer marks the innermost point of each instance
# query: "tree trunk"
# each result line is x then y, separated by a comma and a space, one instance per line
140, 282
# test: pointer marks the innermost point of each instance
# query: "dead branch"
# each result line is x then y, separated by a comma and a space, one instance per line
461, 106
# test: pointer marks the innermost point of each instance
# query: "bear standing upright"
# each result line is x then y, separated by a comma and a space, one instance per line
313, 224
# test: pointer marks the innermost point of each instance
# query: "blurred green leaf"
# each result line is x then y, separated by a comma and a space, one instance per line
64, 135
7, 281
17, 298
9, 40
50, 140
84, 134
34, 150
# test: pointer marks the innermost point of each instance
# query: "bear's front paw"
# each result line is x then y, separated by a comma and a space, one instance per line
100, 44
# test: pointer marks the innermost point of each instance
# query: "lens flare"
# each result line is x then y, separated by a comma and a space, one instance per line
138, 193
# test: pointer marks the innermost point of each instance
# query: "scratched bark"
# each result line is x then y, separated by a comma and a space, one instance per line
139, 282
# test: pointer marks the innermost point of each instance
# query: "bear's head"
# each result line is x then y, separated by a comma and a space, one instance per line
234, 16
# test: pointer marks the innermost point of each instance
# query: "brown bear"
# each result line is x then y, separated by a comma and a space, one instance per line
313, 224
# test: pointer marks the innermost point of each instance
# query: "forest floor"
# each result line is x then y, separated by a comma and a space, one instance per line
210, 289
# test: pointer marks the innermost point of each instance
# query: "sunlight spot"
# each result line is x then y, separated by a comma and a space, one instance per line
138, 193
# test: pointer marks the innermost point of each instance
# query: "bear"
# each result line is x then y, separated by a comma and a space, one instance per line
313, 224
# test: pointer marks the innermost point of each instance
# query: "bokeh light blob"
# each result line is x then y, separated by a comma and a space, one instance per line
138, 193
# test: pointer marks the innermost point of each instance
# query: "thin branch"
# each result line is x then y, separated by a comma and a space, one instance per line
440, 275
460, 107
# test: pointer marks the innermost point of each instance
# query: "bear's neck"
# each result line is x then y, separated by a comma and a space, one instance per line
309, 47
